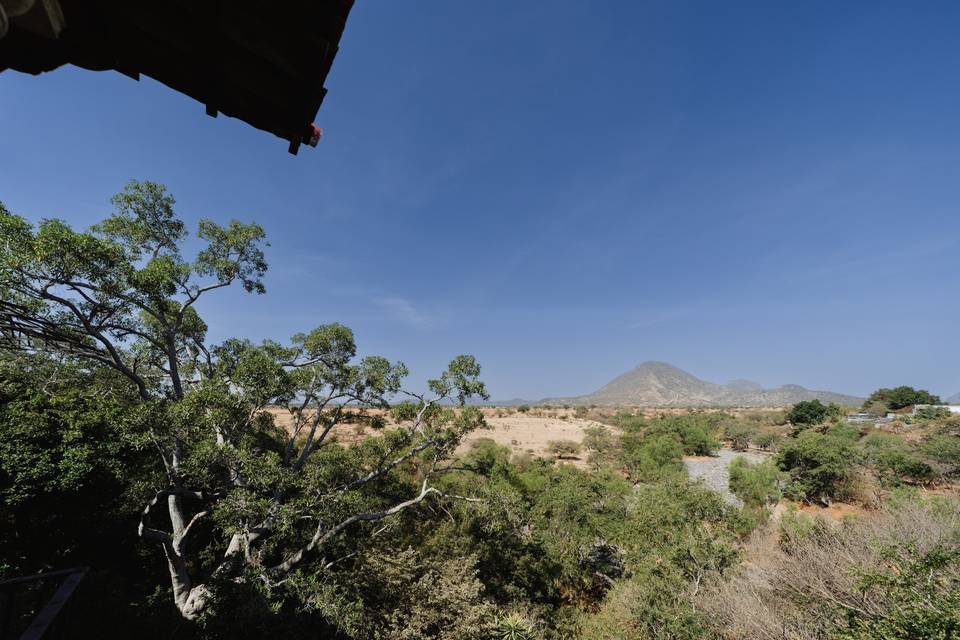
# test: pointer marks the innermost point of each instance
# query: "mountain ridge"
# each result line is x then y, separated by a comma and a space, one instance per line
656, 383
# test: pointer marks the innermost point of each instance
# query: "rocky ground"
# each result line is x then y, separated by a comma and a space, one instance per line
712, 470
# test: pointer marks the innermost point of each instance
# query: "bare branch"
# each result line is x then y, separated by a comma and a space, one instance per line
321, 537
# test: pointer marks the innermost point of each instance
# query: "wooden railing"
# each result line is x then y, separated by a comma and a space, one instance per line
21, 598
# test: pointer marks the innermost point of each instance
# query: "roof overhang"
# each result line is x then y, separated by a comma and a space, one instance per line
262, 62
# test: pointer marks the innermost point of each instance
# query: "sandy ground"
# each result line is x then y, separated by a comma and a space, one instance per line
525, 433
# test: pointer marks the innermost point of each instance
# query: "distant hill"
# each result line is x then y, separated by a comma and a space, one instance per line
662, 384
954, 399
744, 385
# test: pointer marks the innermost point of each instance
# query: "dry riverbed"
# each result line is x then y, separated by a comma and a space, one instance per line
714, 472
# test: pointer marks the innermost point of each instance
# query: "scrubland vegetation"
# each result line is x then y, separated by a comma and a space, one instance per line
130, 445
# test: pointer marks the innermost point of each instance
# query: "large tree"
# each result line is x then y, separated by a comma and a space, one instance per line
244, 499
900, 397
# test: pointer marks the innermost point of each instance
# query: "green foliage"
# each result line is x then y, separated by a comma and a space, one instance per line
844, 431
652, 458
926, 589
601, 444
629, 422
925, 414
568, 543
524, 408
652, 606
900, 397
237, 495
894, 461
695, 431
70, 476
811, 412
820, 466
756, 484
943, 448
581, 412
515, 626
682, 536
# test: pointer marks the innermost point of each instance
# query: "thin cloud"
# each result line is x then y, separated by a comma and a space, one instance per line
404, 311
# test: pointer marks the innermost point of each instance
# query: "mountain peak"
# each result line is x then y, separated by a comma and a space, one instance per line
657, 365
657, 383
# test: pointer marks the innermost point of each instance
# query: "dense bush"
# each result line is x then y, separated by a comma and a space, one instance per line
629, 422
695, 431
944, 449
601, 444
756, 484
893, 460
925, 414
820, 466
900, 397
652, 458
811, 412
681, 537
70, 477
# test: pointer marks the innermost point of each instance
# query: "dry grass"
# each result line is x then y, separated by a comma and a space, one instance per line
528, 432
800, 585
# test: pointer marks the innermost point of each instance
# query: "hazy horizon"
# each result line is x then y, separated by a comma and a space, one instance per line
566, 191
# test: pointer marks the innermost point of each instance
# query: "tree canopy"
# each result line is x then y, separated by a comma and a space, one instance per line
241, 497
900, 397
809, 412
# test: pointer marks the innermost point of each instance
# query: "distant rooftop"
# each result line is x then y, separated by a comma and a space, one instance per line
264, 63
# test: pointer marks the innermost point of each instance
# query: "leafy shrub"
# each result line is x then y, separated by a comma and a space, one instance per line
581, 412
845, 431
945, 449
524, 408
925, 414
694, 431
811, 412
926, 589
767, 440
819, 466
893, 460
653, 458
629, 422
756, 484
486, 457
600, 443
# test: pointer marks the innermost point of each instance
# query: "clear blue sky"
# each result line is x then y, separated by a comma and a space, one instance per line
766, 190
